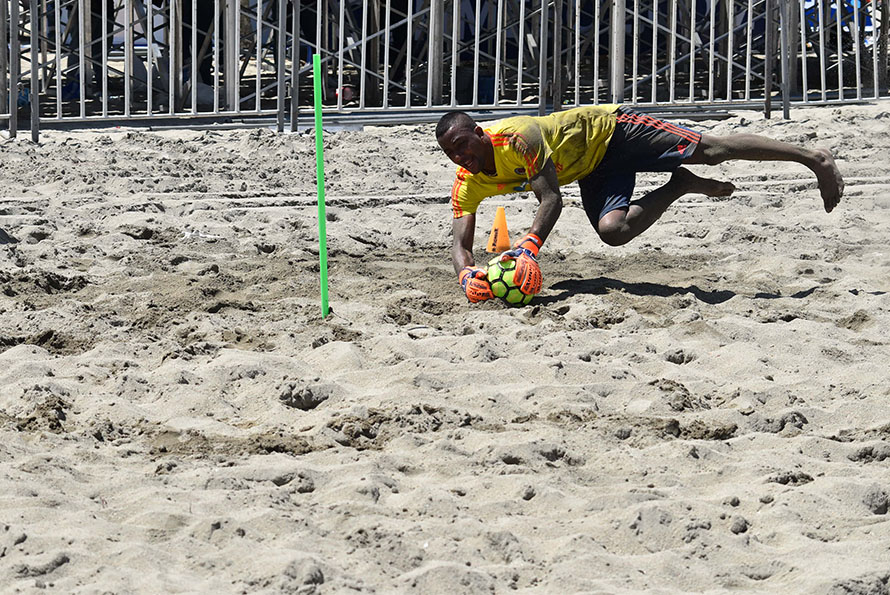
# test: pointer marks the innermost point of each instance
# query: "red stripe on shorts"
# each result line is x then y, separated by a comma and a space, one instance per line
651, 122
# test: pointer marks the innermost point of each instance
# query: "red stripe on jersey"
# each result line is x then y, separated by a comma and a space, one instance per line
455, 207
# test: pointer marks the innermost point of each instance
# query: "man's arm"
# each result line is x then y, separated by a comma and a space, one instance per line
462, 248
545, 185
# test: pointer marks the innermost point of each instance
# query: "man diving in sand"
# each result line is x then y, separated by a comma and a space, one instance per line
602, 147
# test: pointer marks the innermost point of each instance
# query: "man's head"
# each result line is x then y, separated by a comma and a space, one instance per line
464, 141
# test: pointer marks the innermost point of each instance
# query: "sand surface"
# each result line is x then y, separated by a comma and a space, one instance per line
706, 409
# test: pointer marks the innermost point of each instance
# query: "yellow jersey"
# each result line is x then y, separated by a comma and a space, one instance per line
575, 140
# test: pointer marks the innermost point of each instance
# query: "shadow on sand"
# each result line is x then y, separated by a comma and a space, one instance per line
603, 285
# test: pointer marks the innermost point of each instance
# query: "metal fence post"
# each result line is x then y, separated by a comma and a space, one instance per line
14, 65
295, 65
884, 65
556, 88
436, 49
280, 70
542, 59
768, 62
783, 42
231, 53
35, 81
616, 43
4, 59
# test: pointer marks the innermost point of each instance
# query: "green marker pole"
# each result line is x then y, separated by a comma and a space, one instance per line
319, 169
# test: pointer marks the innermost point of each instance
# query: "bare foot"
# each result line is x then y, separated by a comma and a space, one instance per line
691, 183
831, 183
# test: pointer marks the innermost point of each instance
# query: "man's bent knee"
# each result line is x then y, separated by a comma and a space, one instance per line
614, 235
616, 239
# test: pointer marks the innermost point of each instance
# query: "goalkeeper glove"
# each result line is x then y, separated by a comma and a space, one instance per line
474, 282
528, 276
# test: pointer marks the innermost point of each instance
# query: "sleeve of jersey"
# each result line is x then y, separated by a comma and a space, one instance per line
465, 196
530, 146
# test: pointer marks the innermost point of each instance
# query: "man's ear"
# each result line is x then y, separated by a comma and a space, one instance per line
479, 132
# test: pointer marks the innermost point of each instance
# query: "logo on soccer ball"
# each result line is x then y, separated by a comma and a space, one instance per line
500, 276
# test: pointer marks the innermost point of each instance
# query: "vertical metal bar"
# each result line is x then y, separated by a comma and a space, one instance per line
455, 41
636, 51
822, 70
259, 55
173, 23
386, 25
4, 58
319, 19
497, 53
783, 42
617, 51
231, 54
596, 51
519, 64
840, 50
542, 64
44, 43
476, 55
730, 51
81, 32
804, 59
196, 68
858, 45
654, 49
237, 52
692, 49
373, 62
319, 22
884, 66
409, 56
341, 32
281, 71
556, 83
875, 42
436, 36
296, 37
57, 11
711, 46
15, 62
578, 53
216, 64
672, 52
128, 56
150, 55
748, 51
35, 82
104, 59
768, 61
363, 79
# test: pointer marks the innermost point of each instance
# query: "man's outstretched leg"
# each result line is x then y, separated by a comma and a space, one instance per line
620, 226
751, 147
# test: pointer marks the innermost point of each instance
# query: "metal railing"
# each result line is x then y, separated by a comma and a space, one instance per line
86, 61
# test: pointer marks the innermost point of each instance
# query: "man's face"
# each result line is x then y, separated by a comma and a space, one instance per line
465, 147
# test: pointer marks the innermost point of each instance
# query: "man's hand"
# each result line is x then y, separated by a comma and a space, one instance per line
530, 244
474, 282
528, 274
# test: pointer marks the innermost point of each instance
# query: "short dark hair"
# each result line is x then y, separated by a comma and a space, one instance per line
454, 120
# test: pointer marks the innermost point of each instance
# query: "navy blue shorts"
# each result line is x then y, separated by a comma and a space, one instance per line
639, 143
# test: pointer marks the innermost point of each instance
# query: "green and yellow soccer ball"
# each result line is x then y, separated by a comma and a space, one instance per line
500, 277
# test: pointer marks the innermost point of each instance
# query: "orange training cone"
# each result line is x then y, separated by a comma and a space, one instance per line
499, 240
